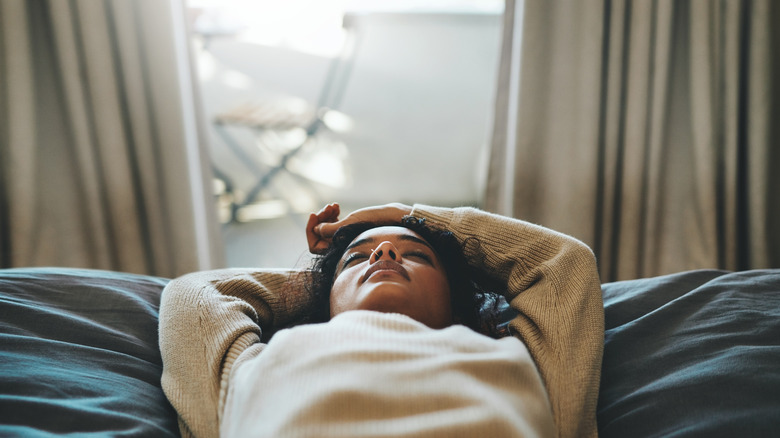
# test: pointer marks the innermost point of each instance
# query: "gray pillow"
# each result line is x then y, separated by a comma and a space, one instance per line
79, 354
692, 354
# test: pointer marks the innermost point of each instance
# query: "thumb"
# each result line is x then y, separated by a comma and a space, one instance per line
327, 229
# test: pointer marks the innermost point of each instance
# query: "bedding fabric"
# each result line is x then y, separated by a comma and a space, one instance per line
79, 354
692, 354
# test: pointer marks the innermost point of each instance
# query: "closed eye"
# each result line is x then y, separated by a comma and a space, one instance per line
353, 257
419, 255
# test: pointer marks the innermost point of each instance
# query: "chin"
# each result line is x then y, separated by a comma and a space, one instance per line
388, 297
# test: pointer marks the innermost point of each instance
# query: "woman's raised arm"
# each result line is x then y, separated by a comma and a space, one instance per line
551, 280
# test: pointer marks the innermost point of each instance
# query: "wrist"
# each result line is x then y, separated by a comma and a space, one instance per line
401, 211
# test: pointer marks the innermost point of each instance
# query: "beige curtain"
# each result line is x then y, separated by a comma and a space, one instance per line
101, 164
648, 129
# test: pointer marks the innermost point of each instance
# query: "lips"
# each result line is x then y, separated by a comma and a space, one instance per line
385, 265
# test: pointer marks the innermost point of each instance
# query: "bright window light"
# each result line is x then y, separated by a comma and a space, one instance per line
310, 26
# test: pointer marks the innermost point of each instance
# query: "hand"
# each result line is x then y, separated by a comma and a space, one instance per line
318, 242
323, 225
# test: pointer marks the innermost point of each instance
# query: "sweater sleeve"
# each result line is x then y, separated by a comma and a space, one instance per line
552, 282
210, 321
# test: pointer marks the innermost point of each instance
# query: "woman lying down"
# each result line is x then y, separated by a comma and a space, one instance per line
391, 333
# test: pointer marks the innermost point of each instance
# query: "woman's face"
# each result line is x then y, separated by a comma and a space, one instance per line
392, 269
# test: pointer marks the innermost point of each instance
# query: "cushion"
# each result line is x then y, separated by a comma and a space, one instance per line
692, 354
80, 354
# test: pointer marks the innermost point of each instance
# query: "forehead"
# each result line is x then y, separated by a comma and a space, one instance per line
385, 233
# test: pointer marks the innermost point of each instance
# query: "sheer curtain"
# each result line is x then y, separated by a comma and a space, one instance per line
648, 129
101, 160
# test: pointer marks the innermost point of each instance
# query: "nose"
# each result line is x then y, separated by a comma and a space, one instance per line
385, 251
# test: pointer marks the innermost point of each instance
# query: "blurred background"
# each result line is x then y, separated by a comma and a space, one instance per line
358, 102
168, 136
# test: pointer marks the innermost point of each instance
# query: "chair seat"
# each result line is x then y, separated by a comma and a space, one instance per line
281, 115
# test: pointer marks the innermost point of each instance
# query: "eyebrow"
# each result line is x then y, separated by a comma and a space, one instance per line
416, 239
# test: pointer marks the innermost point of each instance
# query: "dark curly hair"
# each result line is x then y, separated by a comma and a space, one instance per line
471, 305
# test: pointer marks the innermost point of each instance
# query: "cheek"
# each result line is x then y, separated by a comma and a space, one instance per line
445, 291
438, 287
341, 295
438, 301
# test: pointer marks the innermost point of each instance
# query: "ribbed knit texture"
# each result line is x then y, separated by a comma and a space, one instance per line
375, 374
210, 321
552, 281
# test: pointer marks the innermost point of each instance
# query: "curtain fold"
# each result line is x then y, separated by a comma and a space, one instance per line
644, 128
102, 161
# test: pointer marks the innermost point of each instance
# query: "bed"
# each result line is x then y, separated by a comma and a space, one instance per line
690, 354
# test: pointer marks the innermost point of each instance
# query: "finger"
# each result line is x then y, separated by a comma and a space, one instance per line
336, 211
312, 236
311, 224
326, 229
329, 213
324, 209
316, 240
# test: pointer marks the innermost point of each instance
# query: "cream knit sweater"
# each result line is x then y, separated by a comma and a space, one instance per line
210, 339
367, 374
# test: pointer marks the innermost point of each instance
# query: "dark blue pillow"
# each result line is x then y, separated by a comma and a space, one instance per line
692, 354
79, 354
